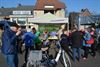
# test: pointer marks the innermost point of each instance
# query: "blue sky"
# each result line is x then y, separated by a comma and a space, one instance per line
72, 5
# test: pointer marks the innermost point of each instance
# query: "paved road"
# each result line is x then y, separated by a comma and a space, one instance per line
90, 62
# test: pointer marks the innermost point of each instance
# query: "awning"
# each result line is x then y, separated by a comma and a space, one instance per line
48, 18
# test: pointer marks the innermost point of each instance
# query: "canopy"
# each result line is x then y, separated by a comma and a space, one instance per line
48, 18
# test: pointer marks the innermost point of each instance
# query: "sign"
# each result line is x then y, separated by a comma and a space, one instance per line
22, 12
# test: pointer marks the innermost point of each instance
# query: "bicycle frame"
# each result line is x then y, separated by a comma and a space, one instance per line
61, 53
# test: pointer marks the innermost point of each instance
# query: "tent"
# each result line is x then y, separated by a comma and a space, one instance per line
48, 18
49, 21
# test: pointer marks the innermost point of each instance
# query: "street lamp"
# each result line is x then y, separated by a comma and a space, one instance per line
79, 22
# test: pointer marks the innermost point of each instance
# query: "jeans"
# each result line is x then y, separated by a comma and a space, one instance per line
75, 51
27, 49
12, 60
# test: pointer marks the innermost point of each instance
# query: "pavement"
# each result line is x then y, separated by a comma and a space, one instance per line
90, 62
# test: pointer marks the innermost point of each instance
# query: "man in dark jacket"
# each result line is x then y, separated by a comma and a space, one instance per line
64, 42
76, 39
9, 43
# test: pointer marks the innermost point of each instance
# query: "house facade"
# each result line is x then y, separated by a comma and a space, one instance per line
53, 6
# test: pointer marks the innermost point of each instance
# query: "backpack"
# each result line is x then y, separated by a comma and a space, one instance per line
91, 41
29, 41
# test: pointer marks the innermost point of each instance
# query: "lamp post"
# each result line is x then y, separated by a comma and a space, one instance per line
79, 22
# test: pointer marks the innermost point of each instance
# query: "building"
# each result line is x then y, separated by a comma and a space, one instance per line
73, 18
53, 6
96, 18
76, 21
85, 12
56, 7
21, 13
5, 12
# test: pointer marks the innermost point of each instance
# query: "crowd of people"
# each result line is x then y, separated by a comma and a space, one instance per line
13, 38
86, 39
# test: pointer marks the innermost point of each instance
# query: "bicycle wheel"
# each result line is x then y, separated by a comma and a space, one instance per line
66, 59
29, 64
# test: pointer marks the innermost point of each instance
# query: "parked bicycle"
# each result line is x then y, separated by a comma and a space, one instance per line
41, 58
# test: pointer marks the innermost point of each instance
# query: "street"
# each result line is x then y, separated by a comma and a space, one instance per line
90, 62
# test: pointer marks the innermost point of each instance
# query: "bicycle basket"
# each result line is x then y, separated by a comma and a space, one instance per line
35, 55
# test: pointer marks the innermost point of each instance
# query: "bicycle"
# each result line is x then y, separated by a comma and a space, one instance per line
62, 55
36, 60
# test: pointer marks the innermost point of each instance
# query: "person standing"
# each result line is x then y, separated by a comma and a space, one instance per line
9, 43
64, 41
76, 40
86, 46
94, 45
29, 40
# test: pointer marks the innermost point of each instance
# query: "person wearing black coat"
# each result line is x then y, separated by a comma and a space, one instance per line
64, 42
76, 40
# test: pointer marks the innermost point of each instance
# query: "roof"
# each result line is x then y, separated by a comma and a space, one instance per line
86, 20
96, 18
8, 11
25, 7
40, 4
85, 12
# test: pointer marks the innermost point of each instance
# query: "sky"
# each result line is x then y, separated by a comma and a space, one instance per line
72, 5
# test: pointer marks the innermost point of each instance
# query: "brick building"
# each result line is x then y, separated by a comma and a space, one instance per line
53, 6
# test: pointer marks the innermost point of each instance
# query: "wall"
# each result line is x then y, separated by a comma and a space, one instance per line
60, 13
38, 13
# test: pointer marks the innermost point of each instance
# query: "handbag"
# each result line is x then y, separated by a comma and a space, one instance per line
91, 41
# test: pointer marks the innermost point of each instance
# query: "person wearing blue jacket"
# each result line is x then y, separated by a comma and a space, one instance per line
86, 46
28, 39
9, 43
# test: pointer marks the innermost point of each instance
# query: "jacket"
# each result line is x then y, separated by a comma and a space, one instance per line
64, 40
77, 39
87, 36
9, 40
29, 39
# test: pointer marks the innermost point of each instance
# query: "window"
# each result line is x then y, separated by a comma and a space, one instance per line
51, 11
21, 20
14, 19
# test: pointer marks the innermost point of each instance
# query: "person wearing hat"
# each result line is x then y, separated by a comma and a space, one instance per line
10, 34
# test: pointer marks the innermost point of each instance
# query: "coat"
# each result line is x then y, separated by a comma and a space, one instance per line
64, 42
77, 39
29, 38
87, 36
9, 39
